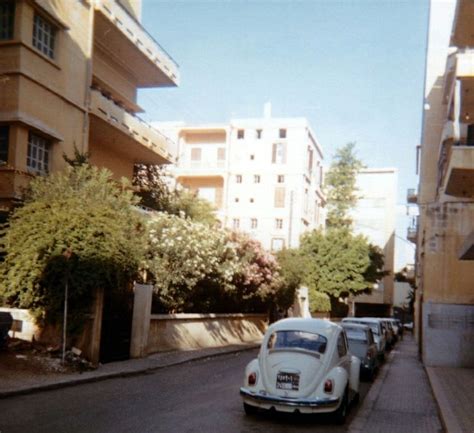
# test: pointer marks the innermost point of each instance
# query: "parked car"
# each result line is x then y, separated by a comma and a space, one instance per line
390, 336
362, 344
6, 321
304, 365
397, 327
377, 330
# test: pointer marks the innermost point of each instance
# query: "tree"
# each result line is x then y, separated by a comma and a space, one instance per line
80, 210
338, 261
153, 187
184, 256
340, 184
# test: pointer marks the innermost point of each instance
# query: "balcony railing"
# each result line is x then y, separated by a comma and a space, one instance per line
412, 234
132, 126
130, 28
202, 165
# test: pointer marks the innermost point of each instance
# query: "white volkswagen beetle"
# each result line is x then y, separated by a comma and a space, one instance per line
303, 366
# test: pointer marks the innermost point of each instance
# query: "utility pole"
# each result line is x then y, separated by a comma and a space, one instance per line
67, 255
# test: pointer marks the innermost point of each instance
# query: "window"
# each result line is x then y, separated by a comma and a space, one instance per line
281, 178
236, 199
282, 133
252, 157
44, 34
278, 223
37, 159
196, 153
278, 244
238, 178
7, 20
253, 223
279, 196
279, 153
240, 134
310, 160
341, 345
251, 200
297, 340
258, 134
221, 154
256, 178
4, 134
235, 223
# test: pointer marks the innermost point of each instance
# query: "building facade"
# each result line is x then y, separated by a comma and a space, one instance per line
264, 176
375, 217
69, 74
444, 233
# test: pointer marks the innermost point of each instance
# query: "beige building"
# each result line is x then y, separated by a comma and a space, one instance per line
263, 175
444, 236
69, 74
375, 217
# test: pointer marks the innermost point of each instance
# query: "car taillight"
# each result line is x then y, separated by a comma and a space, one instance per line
252, 379
328, 386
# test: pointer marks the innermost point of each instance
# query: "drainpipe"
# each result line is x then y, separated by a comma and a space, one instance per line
87, 90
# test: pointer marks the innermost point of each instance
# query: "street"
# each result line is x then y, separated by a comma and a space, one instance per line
202, 396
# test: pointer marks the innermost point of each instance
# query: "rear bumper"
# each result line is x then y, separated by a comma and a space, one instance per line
323, 403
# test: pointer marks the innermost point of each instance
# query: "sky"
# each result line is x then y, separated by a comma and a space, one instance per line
353, 68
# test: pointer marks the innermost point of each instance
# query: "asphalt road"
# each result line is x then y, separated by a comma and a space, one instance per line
201, 396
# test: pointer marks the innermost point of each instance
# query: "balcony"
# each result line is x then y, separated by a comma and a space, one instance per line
460, 67
123, 37
113, 127
412, 233
412, 196
458, 179
462, 35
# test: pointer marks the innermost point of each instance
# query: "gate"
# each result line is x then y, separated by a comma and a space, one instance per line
116, 326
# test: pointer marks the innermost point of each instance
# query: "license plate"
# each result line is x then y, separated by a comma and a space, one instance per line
288, 381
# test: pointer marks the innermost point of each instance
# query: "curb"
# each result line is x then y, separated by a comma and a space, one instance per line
121, 374
447, 416
357, 425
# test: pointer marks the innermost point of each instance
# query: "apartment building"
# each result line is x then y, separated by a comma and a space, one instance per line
69, 74
374, 216
444, 234
263, 175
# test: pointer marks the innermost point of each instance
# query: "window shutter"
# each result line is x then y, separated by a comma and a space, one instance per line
279, 197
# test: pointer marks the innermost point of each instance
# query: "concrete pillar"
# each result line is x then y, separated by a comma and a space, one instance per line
94, 354
141, 320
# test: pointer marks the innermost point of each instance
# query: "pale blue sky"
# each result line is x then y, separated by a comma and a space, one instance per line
354, 68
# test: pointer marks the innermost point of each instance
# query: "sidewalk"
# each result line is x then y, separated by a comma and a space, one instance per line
24, 383
401, 399
454, 392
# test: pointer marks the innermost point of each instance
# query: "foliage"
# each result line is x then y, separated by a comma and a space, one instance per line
375, 271
256, 281
153, 187
338, 261
340, 184
319, 302
80, 158
183, 254
82, 211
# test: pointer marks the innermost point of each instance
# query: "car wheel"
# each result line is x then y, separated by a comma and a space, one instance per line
341, 412
356, 399
249, 409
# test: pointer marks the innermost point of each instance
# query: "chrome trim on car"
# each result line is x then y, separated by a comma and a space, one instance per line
291, 402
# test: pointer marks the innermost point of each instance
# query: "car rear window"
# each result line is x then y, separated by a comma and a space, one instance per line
356, 334
373, 326
297, 340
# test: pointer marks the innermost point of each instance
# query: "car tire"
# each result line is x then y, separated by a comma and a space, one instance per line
249, 409
356, 399
341, 412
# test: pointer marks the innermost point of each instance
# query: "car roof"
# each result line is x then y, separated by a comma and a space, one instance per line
361, 319
318, 326
349, 324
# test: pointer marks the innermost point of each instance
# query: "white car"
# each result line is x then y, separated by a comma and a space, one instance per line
377, 330
303, 366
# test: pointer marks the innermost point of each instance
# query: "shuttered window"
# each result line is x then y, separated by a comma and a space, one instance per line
221, 153
279, 197
279, 153
196, 154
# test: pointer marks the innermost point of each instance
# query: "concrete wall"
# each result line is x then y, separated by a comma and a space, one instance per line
448, 335
193, 331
